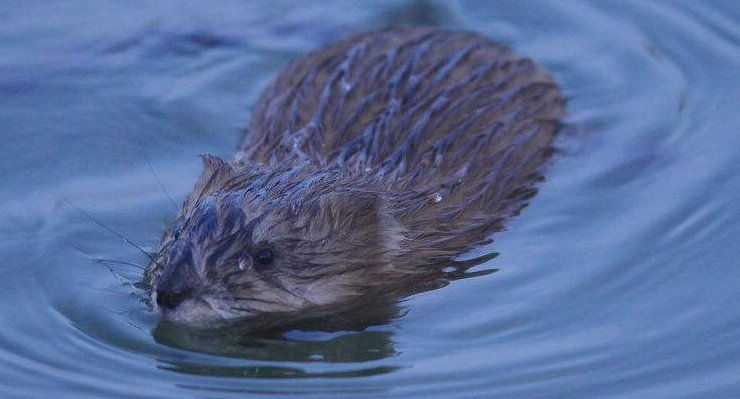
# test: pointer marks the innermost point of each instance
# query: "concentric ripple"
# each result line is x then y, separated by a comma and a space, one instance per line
619, 280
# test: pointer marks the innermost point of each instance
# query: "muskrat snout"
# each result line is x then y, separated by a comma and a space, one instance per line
170, 299
178, 280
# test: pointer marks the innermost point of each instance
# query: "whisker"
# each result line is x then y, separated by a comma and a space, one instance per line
114, 291
121, 279
159, 181
119, 262
102, 260
119, 235
108, 290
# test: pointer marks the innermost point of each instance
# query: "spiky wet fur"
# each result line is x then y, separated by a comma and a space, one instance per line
368, 163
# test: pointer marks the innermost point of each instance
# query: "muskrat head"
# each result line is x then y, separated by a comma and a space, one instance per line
258, 241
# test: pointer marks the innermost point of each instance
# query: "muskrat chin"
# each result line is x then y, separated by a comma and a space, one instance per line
200, 313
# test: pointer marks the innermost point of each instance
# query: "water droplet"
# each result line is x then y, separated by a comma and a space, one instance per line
438, 197
368, 170
242, 264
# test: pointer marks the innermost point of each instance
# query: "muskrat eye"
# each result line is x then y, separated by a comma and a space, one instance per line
264, 256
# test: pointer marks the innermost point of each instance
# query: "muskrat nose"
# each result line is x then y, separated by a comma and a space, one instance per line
171, 298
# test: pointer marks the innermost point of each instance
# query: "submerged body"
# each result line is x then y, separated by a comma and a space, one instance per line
369, 164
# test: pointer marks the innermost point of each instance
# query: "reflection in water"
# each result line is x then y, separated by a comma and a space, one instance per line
345, 347
269, 371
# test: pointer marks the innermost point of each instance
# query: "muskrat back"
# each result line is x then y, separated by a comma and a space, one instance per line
366, 163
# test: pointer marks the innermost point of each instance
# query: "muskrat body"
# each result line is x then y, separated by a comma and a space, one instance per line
367, 164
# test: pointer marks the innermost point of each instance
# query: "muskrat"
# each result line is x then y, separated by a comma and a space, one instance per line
367, 164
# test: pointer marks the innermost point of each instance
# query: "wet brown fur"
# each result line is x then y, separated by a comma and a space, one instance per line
367, 162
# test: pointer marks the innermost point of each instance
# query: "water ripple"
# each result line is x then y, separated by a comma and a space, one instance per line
619, 280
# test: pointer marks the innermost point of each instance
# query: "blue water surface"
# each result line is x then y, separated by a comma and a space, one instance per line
620, 280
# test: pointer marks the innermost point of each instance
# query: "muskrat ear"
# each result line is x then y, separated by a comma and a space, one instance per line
215, 166
216, 172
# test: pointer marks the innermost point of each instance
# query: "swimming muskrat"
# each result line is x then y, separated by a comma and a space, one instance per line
368, 163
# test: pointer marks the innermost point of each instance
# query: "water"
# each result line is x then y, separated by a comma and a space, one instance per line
620, 280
